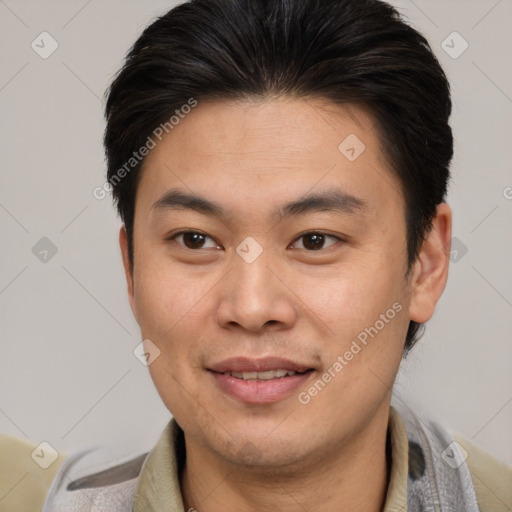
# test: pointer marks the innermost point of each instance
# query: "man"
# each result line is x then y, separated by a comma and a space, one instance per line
280, 168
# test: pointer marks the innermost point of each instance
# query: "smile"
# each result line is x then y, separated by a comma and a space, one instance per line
268, 375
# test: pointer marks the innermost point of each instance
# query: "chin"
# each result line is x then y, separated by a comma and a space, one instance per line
264, 452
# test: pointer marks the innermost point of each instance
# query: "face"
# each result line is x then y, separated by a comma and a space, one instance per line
265, 240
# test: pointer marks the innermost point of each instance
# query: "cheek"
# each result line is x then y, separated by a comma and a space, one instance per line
366, 312
154, 299
173, 309
166, 298
350, 298
368, 321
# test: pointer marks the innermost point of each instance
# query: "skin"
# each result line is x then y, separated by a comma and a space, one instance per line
200, 306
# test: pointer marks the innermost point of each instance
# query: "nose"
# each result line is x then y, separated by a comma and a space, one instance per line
255, 296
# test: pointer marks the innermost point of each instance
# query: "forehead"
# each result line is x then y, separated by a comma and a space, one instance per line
287, 127
270, 148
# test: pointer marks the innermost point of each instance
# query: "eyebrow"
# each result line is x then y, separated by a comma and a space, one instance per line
335, 200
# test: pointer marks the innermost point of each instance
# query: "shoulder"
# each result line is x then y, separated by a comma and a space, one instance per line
104, 473
491, 477
26, 473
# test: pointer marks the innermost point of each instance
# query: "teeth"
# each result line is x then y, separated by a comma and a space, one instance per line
272, 374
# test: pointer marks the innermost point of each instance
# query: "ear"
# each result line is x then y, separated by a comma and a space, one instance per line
430, 271
128, 272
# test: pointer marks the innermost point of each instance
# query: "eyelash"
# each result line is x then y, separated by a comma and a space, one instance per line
302, 235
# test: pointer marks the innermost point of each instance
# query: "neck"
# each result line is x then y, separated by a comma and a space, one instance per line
352, 477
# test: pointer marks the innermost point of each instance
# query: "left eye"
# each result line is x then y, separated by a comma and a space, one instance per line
315, 241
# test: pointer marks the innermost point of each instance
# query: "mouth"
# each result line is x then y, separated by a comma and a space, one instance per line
267, 375
259, 381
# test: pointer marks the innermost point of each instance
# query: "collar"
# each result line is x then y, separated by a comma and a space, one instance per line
158, 487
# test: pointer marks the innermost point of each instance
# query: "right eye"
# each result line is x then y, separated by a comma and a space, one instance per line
192, 239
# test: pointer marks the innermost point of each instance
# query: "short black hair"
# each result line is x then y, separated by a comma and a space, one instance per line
358, 51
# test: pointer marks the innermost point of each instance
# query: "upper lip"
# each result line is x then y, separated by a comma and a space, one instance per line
245, 364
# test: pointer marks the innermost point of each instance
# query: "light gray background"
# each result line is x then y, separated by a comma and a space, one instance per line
67, 371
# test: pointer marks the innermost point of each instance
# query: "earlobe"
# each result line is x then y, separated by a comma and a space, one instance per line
430, 272
128, 271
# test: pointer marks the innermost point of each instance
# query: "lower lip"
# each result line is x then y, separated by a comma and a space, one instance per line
256, 391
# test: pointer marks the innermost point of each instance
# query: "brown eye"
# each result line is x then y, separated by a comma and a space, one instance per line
193, 239
315, 241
